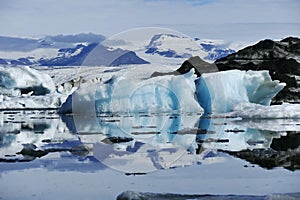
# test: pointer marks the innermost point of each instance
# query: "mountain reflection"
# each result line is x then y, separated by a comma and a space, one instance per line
139, 143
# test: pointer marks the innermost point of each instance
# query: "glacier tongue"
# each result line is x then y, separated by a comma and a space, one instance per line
221, 92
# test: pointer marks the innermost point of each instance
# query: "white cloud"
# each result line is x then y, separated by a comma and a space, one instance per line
35, 17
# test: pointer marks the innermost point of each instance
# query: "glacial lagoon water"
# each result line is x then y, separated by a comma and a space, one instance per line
44, 155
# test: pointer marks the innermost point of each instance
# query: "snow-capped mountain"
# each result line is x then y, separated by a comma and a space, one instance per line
215, 51
49, 50
61, 50
178, 46
169, 45
73, 50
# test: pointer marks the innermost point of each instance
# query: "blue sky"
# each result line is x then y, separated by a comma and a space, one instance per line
194, 17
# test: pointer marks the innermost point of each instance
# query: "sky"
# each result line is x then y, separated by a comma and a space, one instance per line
218, 19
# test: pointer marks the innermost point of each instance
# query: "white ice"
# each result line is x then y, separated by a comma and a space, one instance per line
245, 94
13, 79
224, 91
124, 95
24, 87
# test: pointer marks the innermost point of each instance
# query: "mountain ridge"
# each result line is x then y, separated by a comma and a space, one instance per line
64, 50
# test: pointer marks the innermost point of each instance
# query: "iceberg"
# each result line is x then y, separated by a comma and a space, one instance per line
222, 92
213, 93
124, 95
15, 81
27, 88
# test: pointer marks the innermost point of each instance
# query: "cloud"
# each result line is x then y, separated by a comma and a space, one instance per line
35, 17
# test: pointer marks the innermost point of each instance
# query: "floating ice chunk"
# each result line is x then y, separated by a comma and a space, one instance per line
15, 81
220, 92
250, 110
260, 87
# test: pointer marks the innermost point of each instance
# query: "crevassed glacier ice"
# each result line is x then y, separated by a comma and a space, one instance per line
221, 92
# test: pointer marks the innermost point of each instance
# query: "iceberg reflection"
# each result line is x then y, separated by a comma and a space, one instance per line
139, 143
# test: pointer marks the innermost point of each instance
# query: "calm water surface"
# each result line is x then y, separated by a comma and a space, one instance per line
47, 156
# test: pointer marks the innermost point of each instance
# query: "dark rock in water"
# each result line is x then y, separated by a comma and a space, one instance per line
281, 58
290, 141
32, 151
195, 63
113, 140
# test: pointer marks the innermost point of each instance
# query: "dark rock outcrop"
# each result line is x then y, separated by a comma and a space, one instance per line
198, 65
195, 63
281, 58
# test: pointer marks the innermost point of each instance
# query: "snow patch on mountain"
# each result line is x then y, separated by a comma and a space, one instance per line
175, 46
169, 45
